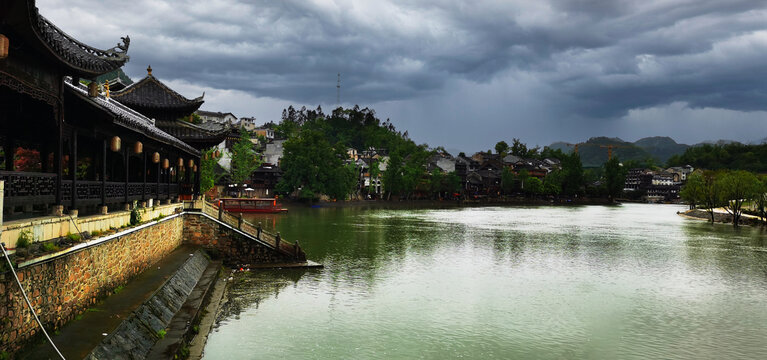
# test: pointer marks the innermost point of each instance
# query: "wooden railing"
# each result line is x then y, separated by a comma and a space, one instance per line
270, 239
35, 188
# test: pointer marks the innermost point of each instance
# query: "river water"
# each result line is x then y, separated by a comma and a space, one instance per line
597, 282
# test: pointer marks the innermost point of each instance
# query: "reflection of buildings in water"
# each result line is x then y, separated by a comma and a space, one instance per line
249, 288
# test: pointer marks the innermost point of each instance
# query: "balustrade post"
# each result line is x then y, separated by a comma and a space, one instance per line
220, 211
277, 241
239, 221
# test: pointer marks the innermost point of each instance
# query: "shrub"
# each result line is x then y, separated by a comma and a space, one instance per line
24, 239
161, 333
95, 233
135, 215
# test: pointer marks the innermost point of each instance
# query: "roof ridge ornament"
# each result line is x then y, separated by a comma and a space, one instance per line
149, 70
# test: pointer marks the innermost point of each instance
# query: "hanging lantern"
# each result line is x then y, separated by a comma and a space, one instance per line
138, 147
195, 168
115, 143
180, 162
156, 158
165, 164
190, 163
3, 46
66, 158
217, 153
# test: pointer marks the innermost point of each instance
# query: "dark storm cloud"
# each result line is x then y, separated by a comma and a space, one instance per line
602, 58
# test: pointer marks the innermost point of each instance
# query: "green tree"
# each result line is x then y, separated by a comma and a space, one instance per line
760, 200
313, 167
208, 176
737, 187
507, 181
573, 175
501, 147
245, 160
523, 176
615, 178
693, 191
552, 183
710, 194
534, 186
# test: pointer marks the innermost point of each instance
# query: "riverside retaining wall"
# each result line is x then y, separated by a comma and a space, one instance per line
65, 286
231, 246
136, 335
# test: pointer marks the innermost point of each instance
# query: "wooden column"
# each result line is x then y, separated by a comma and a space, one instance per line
10, 150
157, 191
104, 173
143, 190
58, 155
197, 179
126, 154
73, 168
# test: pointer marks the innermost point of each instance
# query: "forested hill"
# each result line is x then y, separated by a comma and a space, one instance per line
734, 156
594, 151
650, 150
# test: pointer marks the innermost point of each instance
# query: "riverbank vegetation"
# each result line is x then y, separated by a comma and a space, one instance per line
318, 148
733, 156
732, 190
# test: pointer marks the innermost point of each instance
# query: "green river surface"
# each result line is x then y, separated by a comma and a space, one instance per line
633, 281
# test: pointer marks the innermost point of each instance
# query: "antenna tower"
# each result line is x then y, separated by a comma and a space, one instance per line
338, 90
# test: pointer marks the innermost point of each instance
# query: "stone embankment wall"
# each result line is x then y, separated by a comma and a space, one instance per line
136, 335
66, 286
231, 246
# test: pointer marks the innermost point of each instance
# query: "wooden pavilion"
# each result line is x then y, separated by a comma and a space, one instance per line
158, 101
65, 145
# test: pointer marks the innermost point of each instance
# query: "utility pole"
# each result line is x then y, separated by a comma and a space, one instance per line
338, 90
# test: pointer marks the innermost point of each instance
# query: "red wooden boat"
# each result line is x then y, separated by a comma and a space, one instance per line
253, 205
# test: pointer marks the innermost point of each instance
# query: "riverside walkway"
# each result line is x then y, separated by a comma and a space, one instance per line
78, 338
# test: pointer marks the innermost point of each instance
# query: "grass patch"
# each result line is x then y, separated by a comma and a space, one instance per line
93, 310
118, 289
73, 237
161, 333
50, 246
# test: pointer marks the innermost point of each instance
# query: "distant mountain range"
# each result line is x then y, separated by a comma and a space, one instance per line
660, 148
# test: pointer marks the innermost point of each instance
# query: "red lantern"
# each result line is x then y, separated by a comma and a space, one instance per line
180, 162
138, 147
165, 164
3, 46
190, 163
156, 158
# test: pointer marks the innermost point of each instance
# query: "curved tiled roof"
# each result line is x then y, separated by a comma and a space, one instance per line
130, 119
81, 59
152, 93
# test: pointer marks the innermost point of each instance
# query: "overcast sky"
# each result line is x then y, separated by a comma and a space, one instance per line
461, 74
